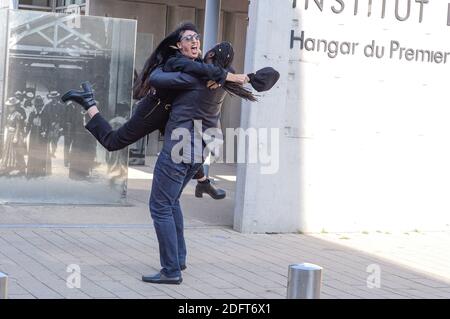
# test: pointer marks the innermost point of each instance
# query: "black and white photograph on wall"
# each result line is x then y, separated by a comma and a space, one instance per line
42, 139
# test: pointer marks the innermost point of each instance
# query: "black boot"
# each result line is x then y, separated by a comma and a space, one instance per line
85, 97
207, 187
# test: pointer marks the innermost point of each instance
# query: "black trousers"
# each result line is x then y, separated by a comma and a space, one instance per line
150, 115
200, 173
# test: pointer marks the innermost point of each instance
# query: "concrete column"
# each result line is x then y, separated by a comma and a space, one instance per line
12, 4
4, 21
270, 202
3, 286
210, 38
212, 20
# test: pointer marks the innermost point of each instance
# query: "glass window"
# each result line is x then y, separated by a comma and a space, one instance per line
62, 3
41, 3
52, 5
46, 154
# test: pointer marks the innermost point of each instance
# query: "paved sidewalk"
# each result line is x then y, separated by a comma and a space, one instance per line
114, 246
197, 212
222, 263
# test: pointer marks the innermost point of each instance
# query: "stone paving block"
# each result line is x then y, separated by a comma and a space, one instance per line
228, 264
241, 293
40, 290
15, 289
170, 291
432, 283
222, 296
95, 290
160, 297
22, 296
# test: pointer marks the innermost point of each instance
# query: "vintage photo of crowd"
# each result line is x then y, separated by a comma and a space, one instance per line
36, 125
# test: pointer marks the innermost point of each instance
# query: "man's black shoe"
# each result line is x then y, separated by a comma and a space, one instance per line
85, 97
162, 279
207, 187
183, 267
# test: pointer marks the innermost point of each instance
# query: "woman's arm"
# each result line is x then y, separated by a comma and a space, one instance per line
171, 80
204, 71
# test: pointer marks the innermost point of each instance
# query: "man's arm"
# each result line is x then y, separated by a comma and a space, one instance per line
199, 69
171, 80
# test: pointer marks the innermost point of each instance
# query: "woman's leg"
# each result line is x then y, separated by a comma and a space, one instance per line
200, 174
150, 115
142, 123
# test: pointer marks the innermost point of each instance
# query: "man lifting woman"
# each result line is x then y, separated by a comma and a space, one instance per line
175, 88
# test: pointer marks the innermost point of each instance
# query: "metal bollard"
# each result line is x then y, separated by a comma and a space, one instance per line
304, 281
3, 286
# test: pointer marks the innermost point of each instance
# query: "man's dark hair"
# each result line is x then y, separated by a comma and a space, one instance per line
222, 55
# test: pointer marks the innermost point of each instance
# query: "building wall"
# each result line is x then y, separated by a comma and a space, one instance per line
362, 139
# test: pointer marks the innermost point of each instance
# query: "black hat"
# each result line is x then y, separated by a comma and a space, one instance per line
264, 79
53, 95
29, 95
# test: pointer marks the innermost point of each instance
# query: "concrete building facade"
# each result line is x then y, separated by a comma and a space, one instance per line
363, 115
360, 108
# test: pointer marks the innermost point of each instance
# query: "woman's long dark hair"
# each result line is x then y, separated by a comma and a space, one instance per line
222, 55
165, 49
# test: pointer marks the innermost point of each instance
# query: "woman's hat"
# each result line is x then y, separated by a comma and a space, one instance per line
53, 95
12, 101
264, 79
29, 95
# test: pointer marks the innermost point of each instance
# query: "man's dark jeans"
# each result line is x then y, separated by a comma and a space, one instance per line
169, 180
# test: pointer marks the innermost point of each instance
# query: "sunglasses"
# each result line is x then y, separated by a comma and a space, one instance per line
191, 37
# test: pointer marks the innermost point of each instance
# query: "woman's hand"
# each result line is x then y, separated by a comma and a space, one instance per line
238, 78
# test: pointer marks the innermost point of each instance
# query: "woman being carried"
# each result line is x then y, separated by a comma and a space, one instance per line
153, 108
